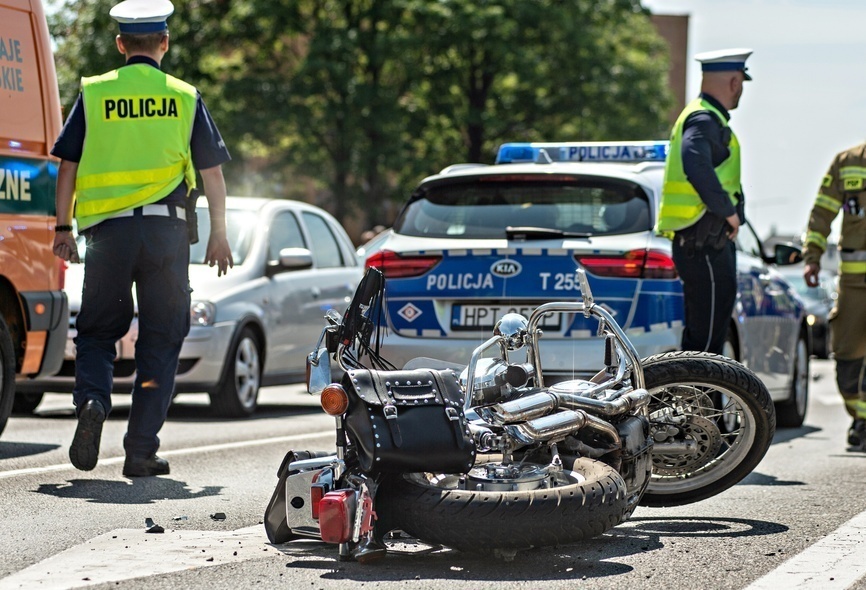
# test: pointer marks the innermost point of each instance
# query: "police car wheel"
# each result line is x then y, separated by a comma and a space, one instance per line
236, 396
792, 412
7, 373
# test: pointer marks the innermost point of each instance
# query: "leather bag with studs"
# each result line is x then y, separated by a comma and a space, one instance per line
408, 421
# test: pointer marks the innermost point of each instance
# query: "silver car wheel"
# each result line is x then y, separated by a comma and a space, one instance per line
236, 395
247, 372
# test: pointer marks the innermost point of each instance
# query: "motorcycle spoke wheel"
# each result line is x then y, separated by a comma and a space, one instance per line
720, 436
712, 421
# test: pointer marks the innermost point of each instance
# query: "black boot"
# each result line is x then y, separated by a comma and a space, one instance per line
857, 435
145, 466
84, 450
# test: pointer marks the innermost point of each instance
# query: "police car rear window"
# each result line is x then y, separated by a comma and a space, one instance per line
485, 207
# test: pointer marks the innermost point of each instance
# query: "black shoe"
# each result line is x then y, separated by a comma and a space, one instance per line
84, 450
857, 433
145, 466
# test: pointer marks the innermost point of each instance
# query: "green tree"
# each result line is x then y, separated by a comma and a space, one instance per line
356, 100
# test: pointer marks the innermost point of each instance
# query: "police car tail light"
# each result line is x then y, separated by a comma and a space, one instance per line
659, 265
395, 265
634, 264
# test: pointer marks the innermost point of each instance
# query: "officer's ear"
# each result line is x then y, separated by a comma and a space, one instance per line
163, 44
119, 42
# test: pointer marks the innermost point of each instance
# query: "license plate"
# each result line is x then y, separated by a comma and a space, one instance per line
475, 317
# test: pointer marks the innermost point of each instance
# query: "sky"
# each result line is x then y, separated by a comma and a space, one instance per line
806, 103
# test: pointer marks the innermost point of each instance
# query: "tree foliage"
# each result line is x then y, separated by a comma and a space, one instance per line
350, 102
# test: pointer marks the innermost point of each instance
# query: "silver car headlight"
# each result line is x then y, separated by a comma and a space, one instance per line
202, 313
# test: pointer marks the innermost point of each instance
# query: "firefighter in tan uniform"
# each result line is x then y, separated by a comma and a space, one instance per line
844, 189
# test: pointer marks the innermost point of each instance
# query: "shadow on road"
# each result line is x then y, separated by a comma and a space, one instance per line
137, 491
587, 559
760, 479
787, 434
13, 450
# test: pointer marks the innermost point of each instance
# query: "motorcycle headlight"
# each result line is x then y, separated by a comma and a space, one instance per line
202, 313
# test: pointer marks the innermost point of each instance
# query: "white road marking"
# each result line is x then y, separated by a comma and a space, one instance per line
190, 451
834, 562
124, 554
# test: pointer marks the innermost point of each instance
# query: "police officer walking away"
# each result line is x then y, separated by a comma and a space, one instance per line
844, 188
130, 176
702, 203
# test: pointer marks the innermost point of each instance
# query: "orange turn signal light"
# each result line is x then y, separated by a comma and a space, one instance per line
335, 400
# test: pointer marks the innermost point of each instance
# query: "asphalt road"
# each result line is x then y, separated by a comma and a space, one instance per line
798, 521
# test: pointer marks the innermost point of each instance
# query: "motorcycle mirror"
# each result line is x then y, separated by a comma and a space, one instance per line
318, 370
512, 326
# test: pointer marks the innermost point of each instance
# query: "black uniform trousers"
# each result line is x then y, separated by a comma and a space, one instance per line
709, 279
153, 254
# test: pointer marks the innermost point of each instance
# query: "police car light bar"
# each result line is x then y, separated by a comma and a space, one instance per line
579, 151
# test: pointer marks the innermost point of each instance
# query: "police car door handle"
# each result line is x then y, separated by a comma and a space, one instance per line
315, 292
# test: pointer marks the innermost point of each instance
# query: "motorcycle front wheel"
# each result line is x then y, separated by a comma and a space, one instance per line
712, 421
483, 516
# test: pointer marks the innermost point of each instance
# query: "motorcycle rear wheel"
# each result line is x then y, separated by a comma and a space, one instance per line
431, 508
730, 436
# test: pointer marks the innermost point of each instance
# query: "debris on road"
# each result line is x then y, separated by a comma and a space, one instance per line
152, 527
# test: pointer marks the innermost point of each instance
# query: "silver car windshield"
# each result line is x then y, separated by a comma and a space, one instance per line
240, 227
492, 207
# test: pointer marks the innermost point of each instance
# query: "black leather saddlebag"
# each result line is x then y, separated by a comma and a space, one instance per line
408, 421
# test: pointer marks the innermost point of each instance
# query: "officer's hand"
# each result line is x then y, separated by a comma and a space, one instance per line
219, 253
65, 246
734, 222
810, 274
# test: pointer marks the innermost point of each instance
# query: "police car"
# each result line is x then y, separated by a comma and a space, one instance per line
476, 241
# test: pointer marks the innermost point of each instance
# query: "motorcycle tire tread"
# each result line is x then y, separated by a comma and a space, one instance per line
481, 521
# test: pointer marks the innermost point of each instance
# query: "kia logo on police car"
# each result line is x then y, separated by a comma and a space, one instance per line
506, 268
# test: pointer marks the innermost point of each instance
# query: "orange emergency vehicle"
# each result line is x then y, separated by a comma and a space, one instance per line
33, 307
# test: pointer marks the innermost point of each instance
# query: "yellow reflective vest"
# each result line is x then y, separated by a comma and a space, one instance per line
681, 206
136, 151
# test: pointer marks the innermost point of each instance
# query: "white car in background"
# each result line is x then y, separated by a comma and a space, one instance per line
253, 326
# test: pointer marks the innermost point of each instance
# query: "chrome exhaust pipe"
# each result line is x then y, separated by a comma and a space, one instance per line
540, 404
626, 403
520, 409
556, 427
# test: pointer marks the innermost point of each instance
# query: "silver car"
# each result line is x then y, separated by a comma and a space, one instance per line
251, 327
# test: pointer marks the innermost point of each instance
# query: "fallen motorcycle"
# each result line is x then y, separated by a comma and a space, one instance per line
488, 458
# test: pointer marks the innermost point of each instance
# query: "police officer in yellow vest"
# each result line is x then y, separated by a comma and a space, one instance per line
129, 151
702, 200
844, 189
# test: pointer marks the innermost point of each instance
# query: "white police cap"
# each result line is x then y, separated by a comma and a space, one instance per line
725, 60
142, 16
